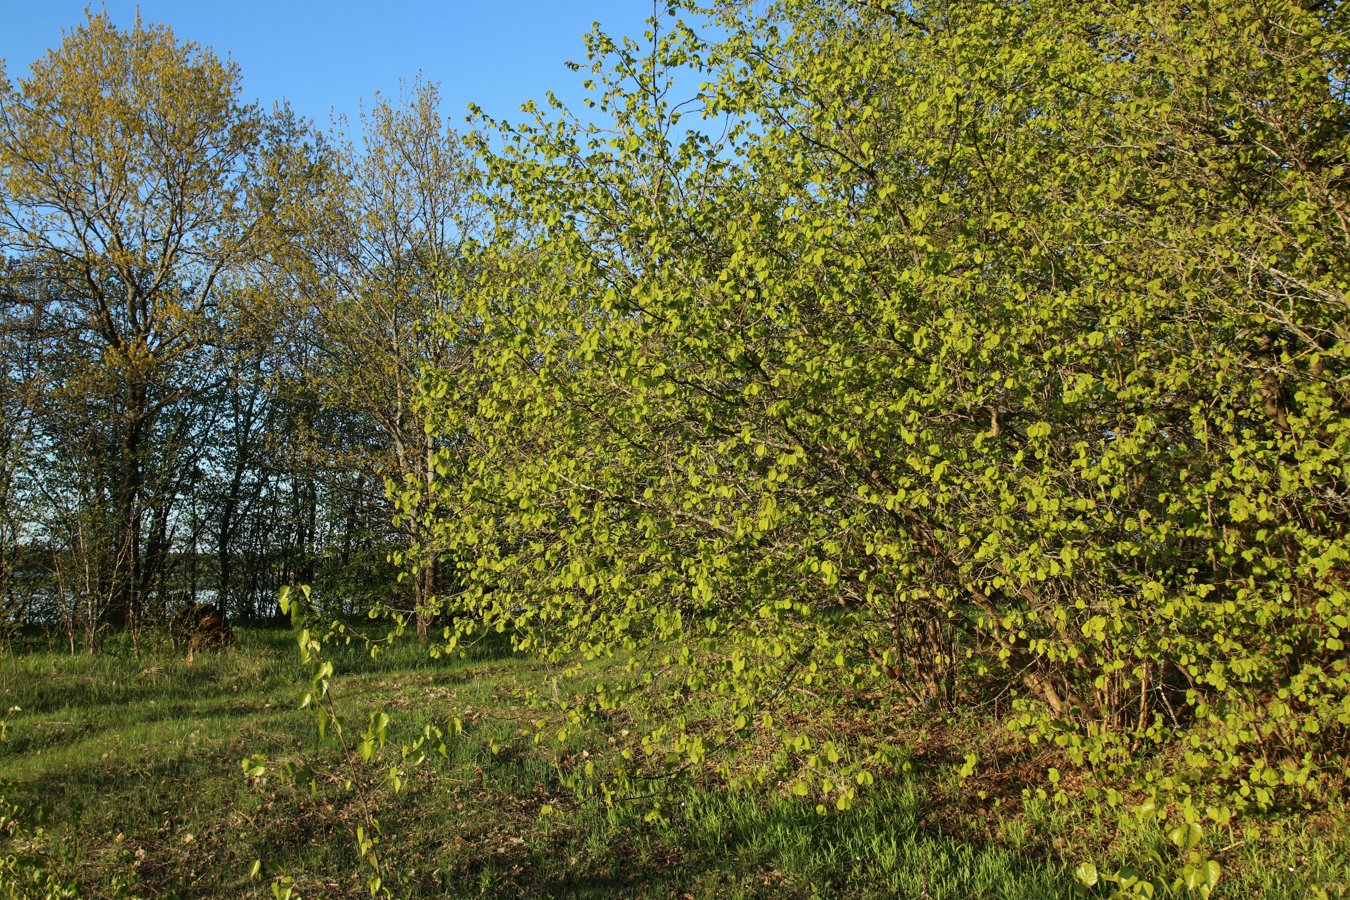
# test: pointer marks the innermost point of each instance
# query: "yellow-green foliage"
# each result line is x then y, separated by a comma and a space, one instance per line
954, 344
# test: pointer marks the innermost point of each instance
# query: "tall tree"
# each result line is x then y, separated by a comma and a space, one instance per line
20, 384
138, 187
385, 263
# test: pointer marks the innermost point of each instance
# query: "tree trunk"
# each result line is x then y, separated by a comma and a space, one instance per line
123, 569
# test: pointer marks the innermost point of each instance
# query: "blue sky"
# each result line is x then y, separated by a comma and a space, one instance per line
328, 56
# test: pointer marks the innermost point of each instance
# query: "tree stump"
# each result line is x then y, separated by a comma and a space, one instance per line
200, 626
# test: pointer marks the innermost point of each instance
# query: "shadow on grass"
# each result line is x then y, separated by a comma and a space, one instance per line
878, 848
472, 825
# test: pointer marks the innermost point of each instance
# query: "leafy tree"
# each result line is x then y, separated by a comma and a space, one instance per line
990, 348
138, 188
384, 263
20, 387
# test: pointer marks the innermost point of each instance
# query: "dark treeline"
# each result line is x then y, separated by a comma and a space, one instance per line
211, 317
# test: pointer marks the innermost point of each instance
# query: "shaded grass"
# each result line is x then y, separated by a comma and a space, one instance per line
125, 770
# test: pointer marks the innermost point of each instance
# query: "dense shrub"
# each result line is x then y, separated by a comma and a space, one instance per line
959, 346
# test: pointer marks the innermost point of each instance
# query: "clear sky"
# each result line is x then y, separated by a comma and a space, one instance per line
326, 56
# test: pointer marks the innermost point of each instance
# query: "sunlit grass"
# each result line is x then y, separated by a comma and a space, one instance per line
126, 772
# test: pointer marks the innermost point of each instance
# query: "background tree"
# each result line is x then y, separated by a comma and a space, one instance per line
21, 379
137, 187
385, 261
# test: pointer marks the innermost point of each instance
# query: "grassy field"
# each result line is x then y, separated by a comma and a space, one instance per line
122, 775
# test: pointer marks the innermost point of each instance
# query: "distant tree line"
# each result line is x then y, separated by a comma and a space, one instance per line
211, 319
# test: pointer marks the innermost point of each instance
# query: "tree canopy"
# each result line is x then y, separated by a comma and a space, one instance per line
136, 189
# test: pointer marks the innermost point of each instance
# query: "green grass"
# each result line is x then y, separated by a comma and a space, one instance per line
125, 772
